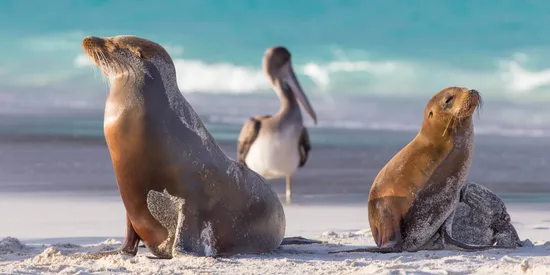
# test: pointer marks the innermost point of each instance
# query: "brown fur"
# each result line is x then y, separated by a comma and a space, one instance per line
425, 160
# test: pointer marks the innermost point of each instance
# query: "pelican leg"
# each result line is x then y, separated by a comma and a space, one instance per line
288, 192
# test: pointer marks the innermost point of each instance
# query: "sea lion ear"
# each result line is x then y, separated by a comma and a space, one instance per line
430, 114
139, 53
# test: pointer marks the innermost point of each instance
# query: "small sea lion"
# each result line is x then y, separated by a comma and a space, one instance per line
413, 198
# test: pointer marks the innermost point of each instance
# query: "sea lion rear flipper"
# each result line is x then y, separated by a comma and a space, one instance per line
450, 240
298, 240
128, 248
369, 250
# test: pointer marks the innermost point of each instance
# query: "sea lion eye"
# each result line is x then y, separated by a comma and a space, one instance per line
430, 114
448, 100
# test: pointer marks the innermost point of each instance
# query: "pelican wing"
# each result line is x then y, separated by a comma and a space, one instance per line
248, 135
304, 147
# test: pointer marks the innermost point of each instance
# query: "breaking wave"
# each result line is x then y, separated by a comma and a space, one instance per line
506, 77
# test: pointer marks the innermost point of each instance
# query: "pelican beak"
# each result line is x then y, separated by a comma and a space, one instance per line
288, 77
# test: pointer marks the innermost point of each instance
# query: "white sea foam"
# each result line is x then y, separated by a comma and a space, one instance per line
198, 76
523, 80
507, 76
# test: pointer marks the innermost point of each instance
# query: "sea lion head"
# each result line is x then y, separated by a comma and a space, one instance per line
123, 54
451, 107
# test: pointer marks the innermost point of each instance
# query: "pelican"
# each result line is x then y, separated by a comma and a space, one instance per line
275, 146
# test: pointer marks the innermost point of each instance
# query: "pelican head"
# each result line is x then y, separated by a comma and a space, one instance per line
278, 67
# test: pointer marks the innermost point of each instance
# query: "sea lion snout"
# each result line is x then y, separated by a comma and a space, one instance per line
92, 41
474, 93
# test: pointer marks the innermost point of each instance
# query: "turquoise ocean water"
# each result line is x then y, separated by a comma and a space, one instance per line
383, 48
365, 64
354, 58
369, 67
350, 56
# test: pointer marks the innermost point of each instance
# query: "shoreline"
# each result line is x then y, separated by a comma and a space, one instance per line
63, 163
68, 212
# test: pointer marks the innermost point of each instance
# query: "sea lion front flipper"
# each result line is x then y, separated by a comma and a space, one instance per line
369, 250
131, 240
181, 223
164, 208
187, 234
298, 240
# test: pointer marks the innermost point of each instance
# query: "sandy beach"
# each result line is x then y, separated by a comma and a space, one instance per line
46, 239
59, 198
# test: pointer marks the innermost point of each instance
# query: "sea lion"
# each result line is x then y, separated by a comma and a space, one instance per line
182, 194
413, 198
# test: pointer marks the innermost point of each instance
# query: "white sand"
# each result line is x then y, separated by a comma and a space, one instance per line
69, 224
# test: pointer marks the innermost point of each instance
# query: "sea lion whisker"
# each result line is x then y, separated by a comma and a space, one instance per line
448, 124
107, 66
101, 63
92, 55
479, 105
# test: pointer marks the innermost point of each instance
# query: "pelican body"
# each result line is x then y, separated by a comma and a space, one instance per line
275, 146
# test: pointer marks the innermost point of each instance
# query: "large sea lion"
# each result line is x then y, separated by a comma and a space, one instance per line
413, 198
182, 194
